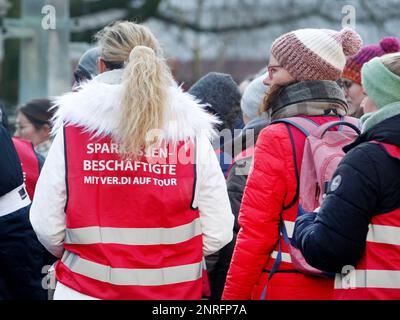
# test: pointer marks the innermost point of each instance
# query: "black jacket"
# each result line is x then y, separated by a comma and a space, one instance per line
370, 185
10, 167
22, 256
218, 264
239, 172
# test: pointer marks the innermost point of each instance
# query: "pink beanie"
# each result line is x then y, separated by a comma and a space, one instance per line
316, 54
352, 71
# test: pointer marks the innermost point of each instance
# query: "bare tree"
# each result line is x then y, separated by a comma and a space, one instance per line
245, 14
90, 16
231, 30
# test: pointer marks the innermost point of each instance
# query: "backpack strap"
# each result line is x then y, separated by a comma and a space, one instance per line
282, 235
278, 259
305, 125
342, 126
354, 121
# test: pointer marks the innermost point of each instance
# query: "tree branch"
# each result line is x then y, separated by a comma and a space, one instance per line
118, 9
269, 21
197, 27
372, 17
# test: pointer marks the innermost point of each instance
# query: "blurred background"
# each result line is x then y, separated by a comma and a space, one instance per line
39, 53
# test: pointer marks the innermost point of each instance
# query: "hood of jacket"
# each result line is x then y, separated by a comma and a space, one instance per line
95, 107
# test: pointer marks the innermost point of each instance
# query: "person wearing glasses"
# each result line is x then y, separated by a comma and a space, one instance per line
303, 69
351, 78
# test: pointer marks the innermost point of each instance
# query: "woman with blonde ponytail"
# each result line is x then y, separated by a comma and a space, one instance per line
131, 197
145, 84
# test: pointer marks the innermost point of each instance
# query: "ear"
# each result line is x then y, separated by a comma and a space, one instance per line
45, 131
101, 65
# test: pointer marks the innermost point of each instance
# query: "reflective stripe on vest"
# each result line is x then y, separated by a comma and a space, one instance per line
285, 256
380, 279
375, 275
383, 279
133, 277
289, 229
134, 236
14, 200
384, 234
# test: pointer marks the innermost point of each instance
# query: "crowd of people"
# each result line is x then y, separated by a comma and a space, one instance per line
283, 187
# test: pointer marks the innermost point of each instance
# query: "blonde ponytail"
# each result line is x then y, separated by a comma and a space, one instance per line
145, 84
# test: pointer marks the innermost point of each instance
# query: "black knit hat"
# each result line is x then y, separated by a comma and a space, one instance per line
219, 90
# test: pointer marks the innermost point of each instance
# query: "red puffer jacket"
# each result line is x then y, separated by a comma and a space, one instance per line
271, 186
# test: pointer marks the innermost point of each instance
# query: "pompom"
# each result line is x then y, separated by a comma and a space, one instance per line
351, 41
390, 44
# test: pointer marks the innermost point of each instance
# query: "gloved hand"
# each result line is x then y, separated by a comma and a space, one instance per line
303, 221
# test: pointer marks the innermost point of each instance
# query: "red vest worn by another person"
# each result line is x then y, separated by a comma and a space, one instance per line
29, 163
132, 232
377, 275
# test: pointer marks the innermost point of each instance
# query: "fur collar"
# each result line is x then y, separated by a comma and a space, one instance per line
95, 107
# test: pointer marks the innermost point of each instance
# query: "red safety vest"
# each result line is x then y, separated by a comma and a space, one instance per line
377, 275
29, 163
132, 232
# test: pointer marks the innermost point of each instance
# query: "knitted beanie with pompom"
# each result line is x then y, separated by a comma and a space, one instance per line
354, 64
316, 54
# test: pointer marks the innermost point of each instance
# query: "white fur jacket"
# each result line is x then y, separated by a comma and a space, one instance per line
94, 107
